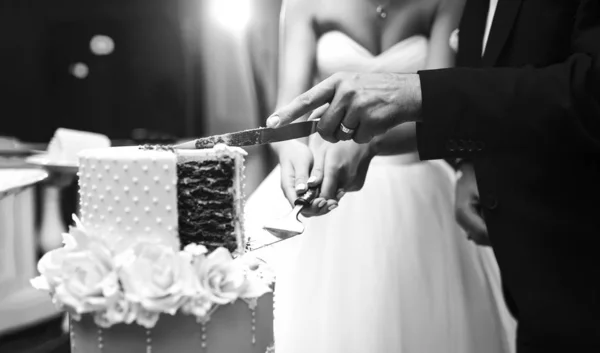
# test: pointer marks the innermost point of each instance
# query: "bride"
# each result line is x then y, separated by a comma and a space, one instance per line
388, 270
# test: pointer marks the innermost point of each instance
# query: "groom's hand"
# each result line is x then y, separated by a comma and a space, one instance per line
467, 202
369, 104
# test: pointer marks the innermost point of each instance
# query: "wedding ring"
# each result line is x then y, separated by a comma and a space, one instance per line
346, 130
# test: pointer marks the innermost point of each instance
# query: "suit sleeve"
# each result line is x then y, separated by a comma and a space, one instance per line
470, 112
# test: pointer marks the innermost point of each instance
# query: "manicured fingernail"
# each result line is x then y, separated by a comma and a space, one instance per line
333, 207
340, 194
273, 121
301, 187
322, 203
312, 179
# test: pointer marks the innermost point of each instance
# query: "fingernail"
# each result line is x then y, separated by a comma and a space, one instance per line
301, 187
273, 121
333, 207
341, 194
312, 179
322, 203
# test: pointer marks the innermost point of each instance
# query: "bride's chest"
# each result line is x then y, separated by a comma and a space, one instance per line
361, 21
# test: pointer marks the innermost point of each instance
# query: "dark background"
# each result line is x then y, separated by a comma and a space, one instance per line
151, 77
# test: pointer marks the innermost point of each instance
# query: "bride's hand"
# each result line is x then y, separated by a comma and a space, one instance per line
296, 161
340, 168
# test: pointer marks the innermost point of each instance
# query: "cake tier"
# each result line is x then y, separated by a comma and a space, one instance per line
182, 196
126, 190
233, 328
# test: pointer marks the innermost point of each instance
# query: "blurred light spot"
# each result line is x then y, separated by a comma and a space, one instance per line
79, 70
102, 45
232, 14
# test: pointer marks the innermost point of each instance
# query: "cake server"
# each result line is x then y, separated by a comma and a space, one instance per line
253, 137
290, 226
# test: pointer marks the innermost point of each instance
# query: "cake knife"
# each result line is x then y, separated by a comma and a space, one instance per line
253, 137
290, 226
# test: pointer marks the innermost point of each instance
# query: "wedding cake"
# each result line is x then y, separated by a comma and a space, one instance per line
157, 262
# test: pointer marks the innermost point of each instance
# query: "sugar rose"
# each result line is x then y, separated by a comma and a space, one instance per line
119, 311
221, 278
87, 280
156, 276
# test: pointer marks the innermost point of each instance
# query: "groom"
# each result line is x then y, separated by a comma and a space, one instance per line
527, 114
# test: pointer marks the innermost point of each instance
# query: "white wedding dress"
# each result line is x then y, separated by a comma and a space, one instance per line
389, 270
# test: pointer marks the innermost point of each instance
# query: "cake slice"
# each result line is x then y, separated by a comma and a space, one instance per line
182, 197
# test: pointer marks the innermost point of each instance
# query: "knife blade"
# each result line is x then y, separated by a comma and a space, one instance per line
254, 137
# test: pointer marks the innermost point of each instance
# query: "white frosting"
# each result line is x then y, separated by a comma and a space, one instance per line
128, 191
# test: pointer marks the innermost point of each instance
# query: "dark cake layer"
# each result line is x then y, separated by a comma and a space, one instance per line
206, 203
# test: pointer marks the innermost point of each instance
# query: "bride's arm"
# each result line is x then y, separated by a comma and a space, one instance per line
440, 55
297, 47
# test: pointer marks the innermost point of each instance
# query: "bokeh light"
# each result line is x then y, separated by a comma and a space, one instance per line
102, 45
79, 70
232, 14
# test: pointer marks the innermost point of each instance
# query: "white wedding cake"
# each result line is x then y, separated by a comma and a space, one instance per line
156, 263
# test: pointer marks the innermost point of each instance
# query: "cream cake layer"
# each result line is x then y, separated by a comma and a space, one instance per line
182, 196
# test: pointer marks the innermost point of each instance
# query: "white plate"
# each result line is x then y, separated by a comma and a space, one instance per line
42, 160
14, 180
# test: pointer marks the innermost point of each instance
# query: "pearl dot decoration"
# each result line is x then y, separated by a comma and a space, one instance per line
100, 340
253, 325
148, 341
72, 333
203, 335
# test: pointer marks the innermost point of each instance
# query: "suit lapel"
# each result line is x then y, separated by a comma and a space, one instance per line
502, 25
472, 26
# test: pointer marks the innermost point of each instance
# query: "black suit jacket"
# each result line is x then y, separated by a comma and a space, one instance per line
528, 116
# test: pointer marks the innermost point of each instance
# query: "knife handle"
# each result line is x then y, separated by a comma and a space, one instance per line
307, 197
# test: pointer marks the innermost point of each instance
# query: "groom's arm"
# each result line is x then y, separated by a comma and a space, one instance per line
470, 112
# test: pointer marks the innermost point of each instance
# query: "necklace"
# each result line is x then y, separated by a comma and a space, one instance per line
381, 11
